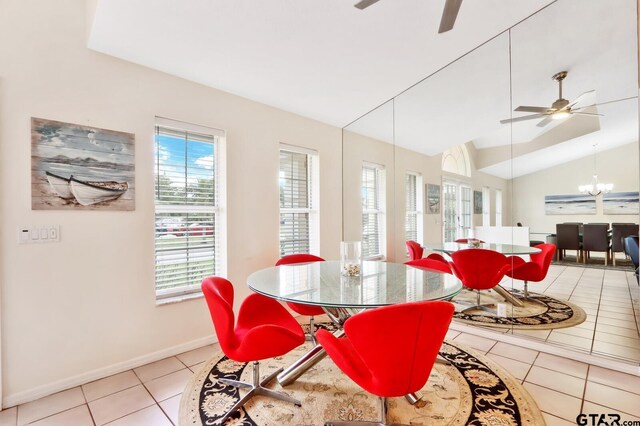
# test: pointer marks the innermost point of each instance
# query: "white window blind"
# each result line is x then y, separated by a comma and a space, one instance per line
498, 207
372, 211
413, 207
187, 228
465, 210
298, 201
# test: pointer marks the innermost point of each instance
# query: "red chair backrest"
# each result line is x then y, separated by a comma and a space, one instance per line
544, 258
479, 269
298, 258
430, 264
415, 250
399, 343
218, 292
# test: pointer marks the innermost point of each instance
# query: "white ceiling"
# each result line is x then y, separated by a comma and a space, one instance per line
595, 42
322, 59
332, 62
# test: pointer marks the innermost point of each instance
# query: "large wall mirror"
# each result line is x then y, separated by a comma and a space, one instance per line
473, 151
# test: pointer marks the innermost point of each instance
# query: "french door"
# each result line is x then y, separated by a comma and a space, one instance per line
457, 220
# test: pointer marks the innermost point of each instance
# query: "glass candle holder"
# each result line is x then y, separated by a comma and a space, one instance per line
350, 258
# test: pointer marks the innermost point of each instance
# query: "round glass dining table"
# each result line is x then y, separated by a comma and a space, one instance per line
379, 284
506, 249
321, 284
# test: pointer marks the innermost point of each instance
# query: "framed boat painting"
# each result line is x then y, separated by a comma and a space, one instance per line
76, 167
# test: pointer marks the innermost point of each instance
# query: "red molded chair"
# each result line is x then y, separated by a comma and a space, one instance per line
535, 270
264, 329
479, 269
415, 250
300, 308
390, 351
431, 264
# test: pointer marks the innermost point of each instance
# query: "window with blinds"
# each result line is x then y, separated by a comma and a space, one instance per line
372, 211
187, 226
486, 206
413, 207
298, 201
498, 207
465, 210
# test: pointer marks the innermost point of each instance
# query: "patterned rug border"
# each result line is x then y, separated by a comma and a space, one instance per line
578, 317
527, 408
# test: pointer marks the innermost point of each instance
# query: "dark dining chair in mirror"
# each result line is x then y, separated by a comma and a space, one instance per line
595, 238
631, 247
568, 238
618, 234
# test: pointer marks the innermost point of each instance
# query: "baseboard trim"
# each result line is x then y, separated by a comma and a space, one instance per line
100, 373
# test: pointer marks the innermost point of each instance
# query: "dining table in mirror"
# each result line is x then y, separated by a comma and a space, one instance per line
535, 128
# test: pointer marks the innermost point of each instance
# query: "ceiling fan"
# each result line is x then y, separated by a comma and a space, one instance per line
560, 108
449, 14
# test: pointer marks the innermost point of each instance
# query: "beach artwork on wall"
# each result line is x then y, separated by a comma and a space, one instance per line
432, 198
569, 204
76, 167
620, 203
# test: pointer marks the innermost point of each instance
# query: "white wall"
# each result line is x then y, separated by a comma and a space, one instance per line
85, 306
618, 166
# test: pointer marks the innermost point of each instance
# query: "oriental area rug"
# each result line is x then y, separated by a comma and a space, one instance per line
472, 390
545, 314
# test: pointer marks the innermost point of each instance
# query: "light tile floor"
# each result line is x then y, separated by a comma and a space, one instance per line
150, 395
610, 299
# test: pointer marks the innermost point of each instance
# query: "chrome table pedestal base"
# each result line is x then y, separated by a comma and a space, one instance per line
256, 388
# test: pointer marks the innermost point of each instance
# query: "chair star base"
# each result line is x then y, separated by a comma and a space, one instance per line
256, 388
526, 297
475, 306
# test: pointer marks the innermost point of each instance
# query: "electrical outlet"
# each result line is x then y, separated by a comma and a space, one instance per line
501, 310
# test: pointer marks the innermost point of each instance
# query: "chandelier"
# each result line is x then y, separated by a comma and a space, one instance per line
595, 187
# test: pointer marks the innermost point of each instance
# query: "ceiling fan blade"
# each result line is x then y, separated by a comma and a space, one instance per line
577, 100
449, 15
526, 117
544, 122
532, 109
586, 113
363, 4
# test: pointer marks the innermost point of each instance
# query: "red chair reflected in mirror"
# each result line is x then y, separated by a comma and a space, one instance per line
479, 269
415, 250
534, 270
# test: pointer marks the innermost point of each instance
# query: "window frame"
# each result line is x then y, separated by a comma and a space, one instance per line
185, 292
419, 203
313, 197
380, 212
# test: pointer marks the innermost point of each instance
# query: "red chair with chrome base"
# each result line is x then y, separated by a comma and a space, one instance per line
300, 308
264, 329
389, 351
535, 270
415, 250
479, 269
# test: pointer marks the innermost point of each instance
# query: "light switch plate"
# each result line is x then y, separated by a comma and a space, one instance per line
39, 234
